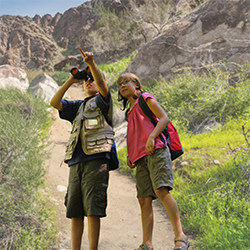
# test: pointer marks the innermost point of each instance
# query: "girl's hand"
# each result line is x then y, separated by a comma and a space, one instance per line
150, 146
129, 163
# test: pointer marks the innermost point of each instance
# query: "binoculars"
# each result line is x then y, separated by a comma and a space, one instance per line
82, 74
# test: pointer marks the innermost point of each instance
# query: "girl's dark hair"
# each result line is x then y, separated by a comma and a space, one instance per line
139, 89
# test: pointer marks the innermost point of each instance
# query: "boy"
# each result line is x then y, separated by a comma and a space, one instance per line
87, 153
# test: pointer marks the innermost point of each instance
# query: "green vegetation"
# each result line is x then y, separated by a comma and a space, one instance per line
111, 31
25, 218
60, 77
135, 22
189, 99
214, 198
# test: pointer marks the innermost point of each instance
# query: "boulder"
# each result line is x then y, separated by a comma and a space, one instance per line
13, 77
43, 86
120, 128
207, 125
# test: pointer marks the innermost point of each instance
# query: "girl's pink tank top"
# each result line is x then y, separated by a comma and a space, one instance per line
138, 129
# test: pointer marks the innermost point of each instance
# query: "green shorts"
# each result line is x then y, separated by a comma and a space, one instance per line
154, 172
87, 189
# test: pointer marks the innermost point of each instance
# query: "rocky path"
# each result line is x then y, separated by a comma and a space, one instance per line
121, 229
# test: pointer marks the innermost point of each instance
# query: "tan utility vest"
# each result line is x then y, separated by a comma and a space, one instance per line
91, 126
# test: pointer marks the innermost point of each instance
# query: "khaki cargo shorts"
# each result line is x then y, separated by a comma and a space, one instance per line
154, 172
87, 189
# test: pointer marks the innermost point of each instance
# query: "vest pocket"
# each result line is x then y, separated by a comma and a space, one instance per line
70, 147
98, 144
95, 122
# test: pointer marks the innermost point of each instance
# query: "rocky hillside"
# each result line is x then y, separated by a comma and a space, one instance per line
111, 29
217, 32
169, 35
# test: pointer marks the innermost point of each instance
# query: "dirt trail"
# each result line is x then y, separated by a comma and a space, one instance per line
121, 229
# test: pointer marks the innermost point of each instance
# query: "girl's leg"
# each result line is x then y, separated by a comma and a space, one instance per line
76, 233
93, 231
147, 219
172, 210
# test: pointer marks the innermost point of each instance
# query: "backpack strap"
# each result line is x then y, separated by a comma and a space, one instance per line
147, 111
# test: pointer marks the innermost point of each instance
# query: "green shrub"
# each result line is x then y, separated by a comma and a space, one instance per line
24, 124
189, 99
122, 156
60, 77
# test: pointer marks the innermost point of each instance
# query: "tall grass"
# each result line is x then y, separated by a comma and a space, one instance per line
25, 221
214, 199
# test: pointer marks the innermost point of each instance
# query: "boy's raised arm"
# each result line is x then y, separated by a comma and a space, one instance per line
98, 77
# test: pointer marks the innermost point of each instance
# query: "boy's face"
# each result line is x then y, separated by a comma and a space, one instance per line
90, 88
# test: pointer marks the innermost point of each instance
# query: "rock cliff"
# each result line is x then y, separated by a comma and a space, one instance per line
216, 31
42, 42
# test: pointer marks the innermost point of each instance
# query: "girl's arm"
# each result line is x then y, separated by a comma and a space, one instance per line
158, 111
98, 77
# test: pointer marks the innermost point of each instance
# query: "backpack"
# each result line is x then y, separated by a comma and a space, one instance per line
113, 162
170, 132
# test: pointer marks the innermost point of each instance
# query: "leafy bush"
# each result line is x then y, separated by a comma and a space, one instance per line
60, 77
24, 219
189, 99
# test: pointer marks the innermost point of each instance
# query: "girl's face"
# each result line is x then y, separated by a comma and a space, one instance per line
126, 86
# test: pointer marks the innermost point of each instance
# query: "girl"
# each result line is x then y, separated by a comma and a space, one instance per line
151, 157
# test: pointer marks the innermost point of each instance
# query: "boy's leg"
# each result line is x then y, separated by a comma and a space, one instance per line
173, 212
93, 231
147, 219
76, 233
94, 189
